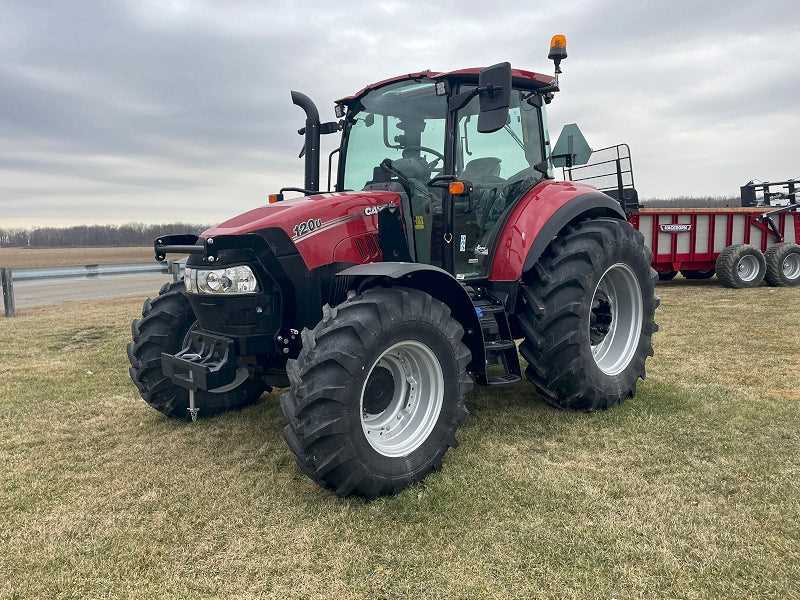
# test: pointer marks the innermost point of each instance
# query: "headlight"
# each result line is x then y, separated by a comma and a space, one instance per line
233, 280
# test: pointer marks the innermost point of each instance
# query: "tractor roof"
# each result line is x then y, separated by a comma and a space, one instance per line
521, 78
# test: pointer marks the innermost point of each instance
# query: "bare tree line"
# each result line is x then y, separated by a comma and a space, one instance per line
82, 236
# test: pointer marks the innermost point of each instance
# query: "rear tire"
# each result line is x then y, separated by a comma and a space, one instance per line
698, 274
356, 423
667, 275
741, 266
783, 265
588, 315
164, 325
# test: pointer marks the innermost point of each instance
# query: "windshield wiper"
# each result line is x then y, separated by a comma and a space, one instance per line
510, 131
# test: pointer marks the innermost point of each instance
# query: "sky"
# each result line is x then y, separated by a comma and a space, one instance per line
144, 111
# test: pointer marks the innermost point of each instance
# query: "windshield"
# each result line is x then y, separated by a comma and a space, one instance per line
512, 151
404, 122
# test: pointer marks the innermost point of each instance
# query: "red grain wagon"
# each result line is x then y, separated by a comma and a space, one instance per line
742, 245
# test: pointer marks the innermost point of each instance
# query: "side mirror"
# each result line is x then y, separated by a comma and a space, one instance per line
494, 85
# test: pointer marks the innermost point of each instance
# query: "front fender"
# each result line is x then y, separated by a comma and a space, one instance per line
438, 283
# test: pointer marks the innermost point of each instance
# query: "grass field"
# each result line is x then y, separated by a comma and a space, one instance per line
62, 257
690, 490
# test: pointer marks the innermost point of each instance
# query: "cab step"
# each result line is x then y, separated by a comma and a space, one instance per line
499, 345
501, 349
493, 308
506, 379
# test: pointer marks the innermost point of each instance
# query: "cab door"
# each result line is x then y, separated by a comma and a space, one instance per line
500, 167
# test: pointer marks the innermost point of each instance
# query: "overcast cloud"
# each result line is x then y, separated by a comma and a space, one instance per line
113, 112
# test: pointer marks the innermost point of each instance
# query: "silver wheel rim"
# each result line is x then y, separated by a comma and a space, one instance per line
747, 268
617, 297
791, 266
409, 410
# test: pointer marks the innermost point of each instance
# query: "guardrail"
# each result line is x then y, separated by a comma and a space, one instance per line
9, 276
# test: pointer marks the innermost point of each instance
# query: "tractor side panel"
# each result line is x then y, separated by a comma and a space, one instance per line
527, 220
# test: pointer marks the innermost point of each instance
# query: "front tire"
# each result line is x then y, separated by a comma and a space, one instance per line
377, 392
588, 315
165, 323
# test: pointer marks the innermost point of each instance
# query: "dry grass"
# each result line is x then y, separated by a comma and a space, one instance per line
690, 490
62, 257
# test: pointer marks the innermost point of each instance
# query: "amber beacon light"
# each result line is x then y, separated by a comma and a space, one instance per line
558, 50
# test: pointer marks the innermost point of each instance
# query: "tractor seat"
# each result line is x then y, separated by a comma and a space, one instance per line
483, 171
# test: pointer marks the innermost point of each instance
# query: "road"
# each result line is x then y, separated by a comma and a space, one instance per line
54, 291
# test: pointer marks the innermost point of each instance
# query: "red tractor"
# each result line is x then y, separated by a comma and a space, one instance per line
444, 242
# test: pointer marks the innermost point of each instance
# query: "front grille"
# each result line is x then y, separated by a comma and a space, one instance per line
238, 315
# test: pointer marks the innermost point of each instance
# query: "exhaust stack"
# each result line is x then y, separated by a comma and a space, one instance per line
312, 140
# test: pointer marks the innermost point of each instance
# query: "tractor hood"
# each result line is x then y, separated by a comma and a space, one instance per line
316, 224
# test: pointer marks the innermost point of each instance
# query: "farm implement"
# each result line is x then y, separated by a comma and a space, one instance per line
444, 242
742, 245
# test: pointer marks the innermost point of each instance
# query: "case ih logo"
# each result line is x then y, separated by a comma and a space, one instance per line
374, 210
675, 227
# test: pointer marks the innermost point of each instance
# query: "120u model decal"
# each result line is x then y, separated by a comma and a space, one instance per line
305, 227
311, 227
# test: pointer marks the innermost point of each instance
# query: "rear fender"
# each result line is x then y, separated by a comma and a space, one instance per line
538, 218
438, 283
577, 209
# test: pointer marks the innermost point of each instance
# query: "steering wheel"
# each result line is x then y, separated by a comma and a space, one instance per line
431, 165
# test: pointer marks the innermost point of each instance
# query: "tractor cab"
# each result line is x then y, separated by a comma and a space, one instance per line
460, 148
